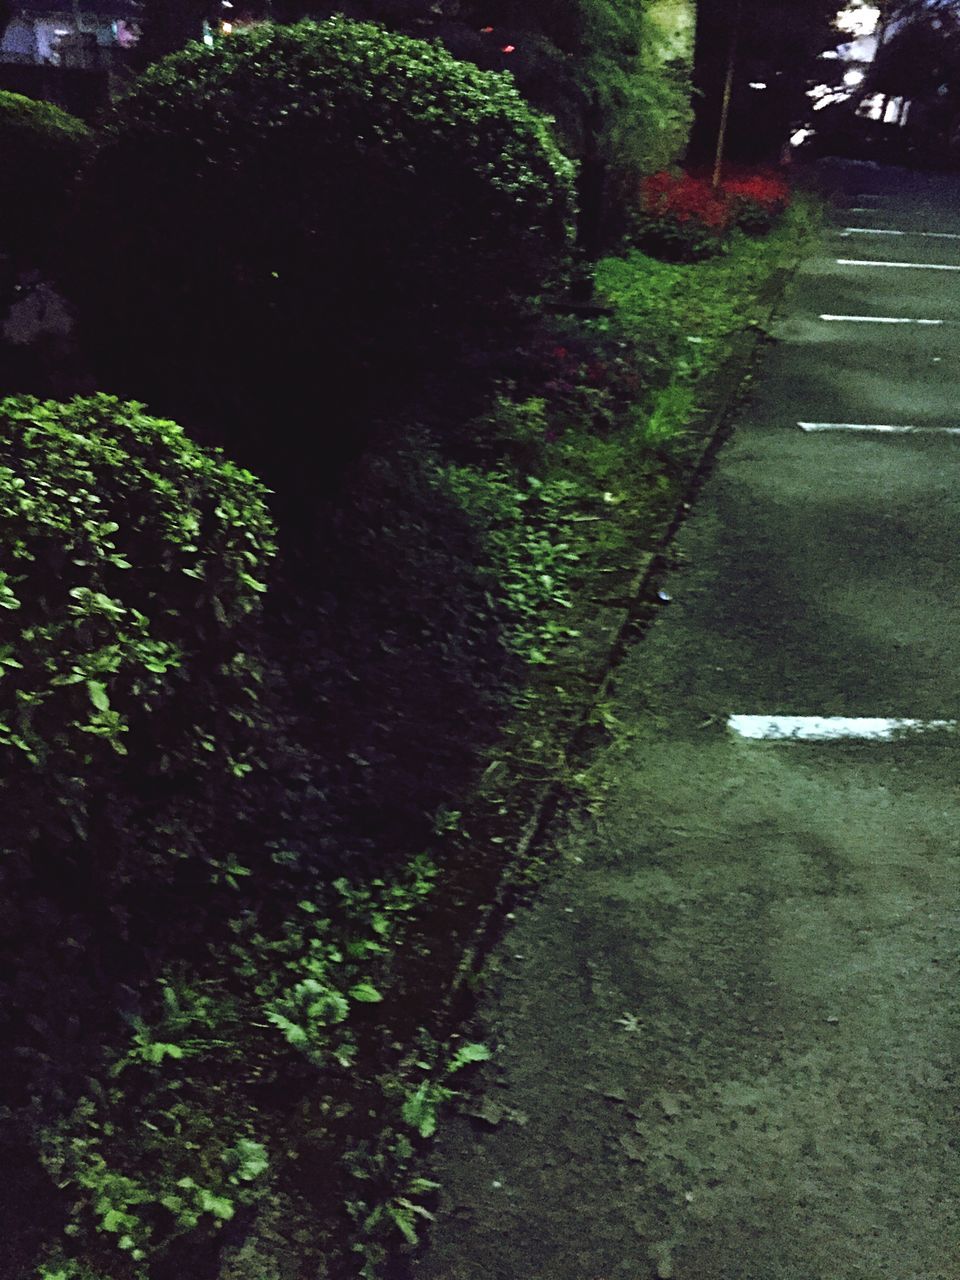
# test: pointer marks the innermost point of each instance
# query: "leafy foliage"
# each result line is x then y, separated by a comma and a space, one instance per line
527, 531
131, 572
422, 202
126, 581
41, 149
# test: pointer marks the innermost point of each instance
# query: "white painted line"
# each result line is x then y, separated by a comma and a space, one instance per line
877, 231
869, 231
918, 266
831, 728
878, 320
877, 427
860, 210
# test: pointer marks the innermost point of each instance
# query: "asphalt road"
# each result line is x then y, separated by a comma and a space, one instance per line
728, 1034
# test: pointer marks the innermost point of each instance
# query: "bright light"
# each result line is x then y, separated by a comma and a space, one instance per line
853, 77
859, 19
757, 84
226, 28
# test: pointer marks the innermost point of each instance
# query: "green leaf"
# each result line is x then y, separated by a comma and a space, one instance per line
420, 1111
253, 1159
365, 993
404, 1221
156, 1053
220, 1206
98, 695
469, 1053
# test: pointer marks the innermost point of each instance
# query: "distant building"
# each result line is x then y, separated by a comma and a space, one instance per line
86, 34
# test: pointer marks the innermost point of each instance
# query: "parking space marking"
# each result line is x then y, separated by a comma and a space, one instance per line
887, 231
880, 428
877, 319
917, 266
832, 728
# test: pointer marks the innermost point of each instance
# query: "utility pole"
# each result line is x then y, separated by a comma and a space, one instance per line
727, 95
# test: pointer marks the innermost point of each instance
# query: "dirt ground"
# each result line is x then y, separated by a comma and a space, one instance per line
726, 1034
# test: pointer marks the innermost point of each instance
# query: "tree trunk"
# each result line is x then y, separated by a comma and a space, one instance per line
727, 95
591, 186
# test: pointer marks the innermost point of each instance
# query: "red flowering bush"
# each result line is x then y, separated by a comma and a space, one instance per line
682, 218
756, 200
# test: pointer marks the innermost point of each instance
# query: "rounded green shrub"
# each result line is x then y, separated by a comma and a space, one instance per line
309, 220
41, 149
131, 566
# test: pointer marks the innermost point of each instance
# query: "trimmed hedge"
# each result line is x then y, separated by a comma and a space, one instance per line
309, 219
131, 563
41, 149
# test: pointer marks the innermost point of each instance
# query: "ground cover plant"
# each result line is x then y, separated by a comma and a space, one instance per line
289, 1070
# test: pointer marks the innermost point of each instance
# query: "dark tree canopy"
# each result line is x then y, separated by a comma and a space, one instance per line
920, 57
777, 44
170, 24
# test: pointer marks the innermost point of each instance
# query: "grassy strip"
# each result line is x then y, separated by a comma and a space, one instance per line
294, 1073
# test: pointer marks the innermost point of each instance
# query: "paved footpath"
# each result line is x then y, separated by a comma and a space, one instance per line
728, 1033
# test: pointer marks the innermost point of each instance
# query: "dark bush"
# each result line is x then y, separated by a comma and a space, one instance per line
130, 566
41, 149
306, 222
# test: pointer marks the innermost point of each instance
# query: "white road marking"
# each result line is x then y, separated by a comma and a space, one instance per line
878, 320
917, 266
860, 210
878, 231
876, 427
830, 728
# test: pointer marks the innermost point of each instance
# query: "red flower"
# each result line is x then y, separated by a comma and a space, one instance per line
685, 198
691, 197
